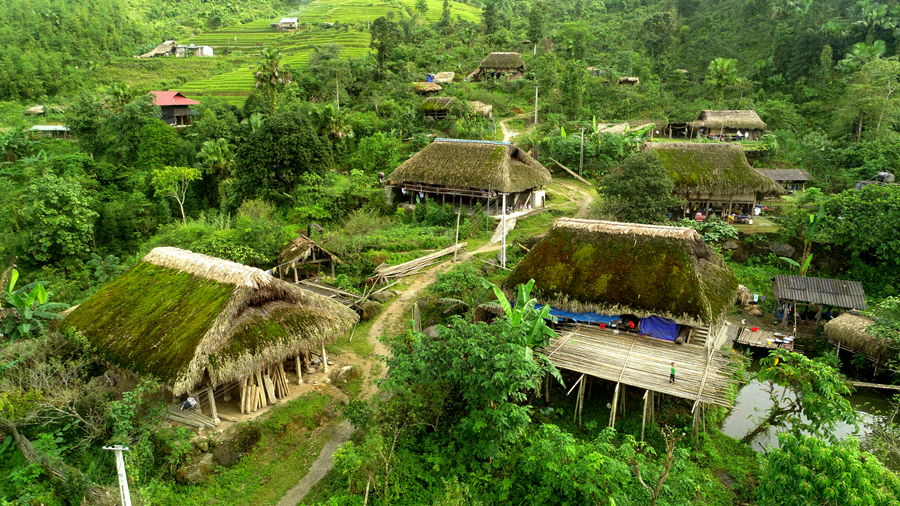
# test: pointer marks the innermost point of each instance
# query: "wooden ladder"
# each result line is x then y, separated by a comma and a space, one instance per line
522, 200
700, 335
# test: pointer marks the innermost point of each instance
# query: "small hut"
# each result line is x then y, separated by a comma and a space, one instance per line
204, 51
470, 172
424, 88
304, 253
628, 81
849, 332
435, 107
204, 325
495, 65
482, 109
165, 49
728, 123
628, 293
714, 176
444, 77
790, 179
55, 131
288, 23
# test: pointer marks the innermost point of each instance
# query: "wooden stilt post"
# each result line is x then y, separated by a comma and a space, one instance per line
243, 393
324, 358
212, 404
299, 371
296, 279
590, 385
612, 412
332, 267
644, 418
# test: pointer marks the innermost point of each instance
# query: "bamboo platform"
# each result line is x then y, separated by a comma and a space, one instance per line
762, 339
874, 385
702, 375
194, 418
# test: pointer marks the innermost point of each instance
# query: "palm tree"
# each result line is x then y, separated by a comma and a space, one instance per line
859, 54
722, 72
270, 74
216, 156
332, 122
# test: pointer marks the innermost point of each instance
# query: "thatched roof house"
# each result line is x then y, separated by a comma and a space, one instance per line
425, 87
714, 175
470, 172
729, 122
628, 81
435, 107
444, 77
190, 319
850, 331
482, 109
790, 179
304, 252
612, 268
500, 64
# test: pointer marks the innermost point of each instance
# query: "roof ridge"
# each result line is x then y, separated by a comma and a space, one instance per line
473, 141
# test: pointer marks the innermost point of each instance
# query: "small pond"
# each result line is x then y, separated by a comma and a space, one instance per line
753, 401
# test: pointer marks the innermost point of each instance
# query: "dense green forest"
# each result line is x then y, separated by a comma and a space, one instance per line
305, 140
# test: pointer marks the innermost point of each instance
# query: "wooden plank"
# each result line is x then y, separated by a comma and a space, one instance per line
585, 181
874, 385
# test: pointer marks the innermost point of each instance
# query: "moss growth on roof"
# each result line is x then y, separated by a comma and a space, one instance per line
712, 168
715, 121
497, 166
502, 60
623, 268
151, 319
183, 317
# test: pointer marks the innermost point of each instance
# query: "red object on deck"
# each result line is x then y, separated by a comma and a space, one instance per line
754, 329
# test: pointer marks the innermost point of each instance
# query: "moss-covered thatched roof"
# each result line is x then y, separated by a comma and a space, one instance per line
718, 168
625, 268
180, 316
436, 104
499, 166
421, 87
502, 61
732, 120
300, 249
851, 330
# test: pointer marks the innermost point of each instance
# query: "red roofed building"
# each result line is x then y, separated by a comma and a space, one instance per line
176, 108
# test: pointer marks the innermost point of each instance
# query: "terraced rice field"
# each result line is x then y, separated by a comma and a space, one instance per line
236, 85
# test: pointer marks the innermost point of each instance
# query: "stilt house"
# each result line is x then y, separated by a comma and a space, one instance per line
714, 176
790, 179
508, 65
726, 123
208, 327
467, 172
625, 294
176, 108
849, 332
435, 107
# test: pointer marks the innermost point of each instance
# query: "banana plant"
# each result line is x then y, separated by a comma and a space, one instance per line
538, 333
30, 309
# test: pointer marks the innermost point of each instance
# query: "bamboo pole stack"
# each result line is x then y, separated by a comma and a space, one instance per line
264, 388
383, 272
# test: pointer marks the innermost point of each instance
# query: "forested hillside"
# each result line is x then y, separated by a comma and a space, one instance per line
293, 134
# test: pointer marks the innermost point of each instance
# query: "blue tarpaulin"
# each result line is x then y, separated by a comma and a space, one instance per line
660, 328
581, 317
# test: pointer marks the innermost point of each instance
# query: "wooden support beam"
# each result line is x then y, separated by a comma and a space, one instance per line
324, 358
583, 180
644, 417
212, 404
612, 412
299, 372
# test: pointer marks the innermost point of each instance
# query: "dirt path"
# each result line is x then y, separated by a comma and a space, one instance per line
320, 466
584, 203
508, 133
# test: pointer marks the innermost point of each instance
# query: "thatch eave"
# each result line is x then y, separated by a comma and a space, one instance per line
732, 119
714, 168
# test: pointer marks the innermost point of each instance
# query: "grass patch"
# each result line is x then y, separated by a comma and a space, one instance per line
361, 345
284, 454
353, 386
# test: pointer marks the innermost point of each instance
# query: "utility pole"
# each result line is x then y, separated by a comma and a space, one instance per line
120, 469
581, 157
503, 237
536, 154
337, 87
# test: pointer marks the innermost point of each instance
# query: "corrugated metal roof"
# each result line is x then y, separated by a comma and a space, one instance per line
164, 98
830, 292
787, 174
48, 128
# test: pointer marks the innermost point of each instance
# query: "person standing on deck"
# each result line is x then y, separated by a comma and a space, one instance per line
672, 374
